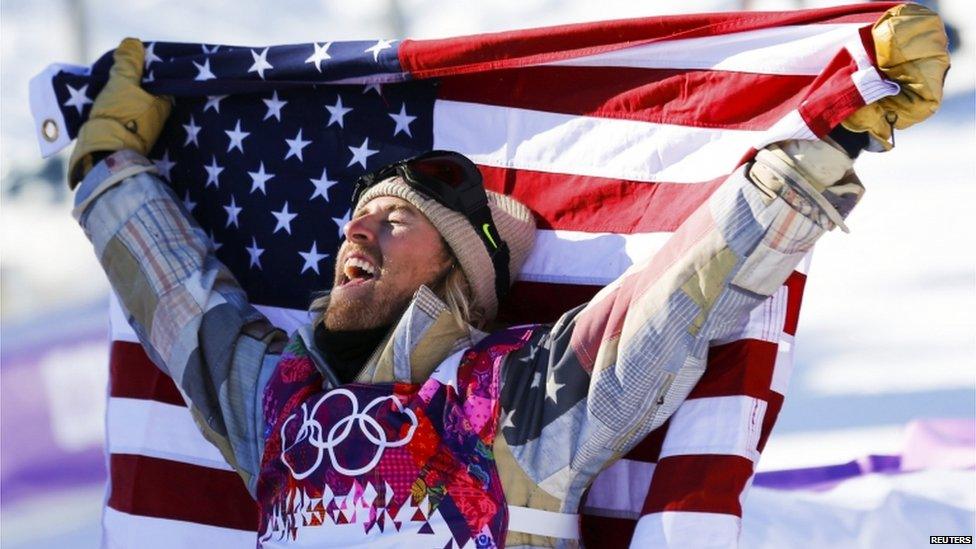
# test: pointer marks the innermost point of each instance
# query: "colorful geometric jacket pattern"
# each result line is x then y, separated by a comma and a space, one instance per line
368, 458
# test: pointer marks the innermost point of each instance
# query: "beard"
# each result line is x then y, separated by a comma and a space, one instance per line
382, 300
372, 308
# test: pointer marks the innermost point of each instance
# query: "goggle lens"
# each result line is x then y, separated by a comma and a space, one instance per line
443, 170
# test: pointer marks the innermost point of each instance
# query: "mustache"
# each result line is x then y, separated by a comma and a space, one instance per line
357, 249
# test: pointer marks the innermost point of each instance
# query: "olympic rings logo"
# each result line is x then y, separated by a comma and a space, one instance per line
310, 431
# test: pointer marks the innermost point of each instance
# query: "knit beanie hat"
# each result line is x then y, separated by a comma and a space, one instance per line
513, 220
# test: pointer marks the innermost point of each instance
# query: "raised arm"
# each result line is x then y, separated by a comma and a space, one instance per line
189, 312
619, 366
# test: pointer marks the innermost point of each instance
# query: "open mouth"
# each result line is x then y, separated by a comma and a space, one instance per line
357, 270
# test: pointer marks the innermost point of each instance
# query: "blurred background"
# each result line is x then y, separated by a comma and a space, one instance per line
887, 334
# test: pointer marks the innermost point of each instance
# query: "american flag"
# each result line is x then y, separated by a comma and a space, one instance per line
612, 132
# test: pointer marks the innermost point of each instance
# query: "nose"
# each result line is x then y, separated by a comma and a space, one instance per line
361, 229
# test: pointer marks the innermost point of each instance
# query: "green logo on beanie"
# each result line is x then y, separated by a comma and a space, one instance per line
484, 229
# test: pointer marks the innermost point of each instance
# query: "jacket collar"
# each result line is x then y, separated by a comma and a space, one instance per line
426, 334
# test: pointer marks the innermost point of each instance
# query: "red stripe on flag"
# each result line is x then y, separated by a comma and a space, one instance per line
607, 532
697, 98
133, 375
834, 96
542, 302
179, 491
743, 367
649, 449
794, 299
704, 484
597, 204
774, 403
468, 54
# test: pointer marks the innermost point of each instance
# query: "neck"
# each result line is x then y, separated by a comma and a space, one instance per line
346, 351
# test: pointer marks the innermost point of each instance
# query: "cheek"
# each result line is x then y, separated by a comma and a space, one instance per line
417, 262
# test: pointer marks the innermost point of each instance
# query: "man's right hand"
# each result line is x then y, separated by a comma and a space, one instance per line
912, 50
124, 116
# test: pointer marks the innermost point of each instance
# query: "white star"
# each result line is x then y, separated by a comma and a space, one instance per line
208, 51
403, 121
255, 253
232, 212
260, 63
149, 78
342, 222
204, 71
507, 422
78, 99
213, 172
321, 54
337, 113
295, 146
361, 153
378, 47
213, 102
191, 132
322, 186
259, 178
312, 258
274, 107
284, 218
151, 56
373, 87
164, 165
213, 240
236, 137
189, 204
536, 380
552, 388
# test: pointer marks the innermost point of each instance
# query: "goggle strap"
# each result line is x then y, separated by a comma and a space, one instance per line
496, 247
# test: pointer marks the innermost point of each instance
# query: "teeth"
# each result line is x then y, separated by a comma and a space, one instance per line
359, 264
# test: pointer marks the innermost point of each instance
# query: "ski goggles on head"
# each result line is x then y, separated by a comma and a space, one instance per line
452, 180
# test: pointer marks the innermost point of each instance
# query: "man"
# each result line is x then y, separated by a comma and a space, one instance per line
380, 421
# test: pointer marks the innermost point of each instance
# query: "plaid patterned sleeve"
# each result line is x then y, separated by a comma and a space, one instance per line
610, 371
186, 307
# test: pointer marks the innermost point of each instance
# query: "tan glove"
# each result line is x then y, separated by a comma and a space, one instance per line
912, 50
123, 116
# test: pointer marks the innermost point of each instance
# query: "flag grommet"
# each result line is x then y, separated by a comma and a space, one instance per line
50, 131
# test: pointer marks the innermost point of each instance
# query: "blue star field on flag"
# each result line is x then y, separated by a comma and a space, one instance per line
265, 162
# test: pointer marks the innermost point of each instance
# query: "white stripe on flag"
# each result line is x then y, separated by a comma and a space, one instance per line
288, 320
508, 137
154, 429
783, 367
574, 257
125, 530
799, 50
619, 491
734, 425
687, 529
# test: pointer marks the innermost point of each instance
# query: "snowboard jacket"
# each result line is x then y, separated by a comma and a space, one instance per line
449, 436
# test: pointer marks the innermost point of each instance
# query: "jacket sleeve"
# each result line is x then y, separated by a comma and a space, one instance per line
588, 389
189, 312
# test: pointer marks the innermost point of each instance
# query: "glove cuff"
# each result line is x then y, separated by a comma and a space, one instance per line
100, 135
